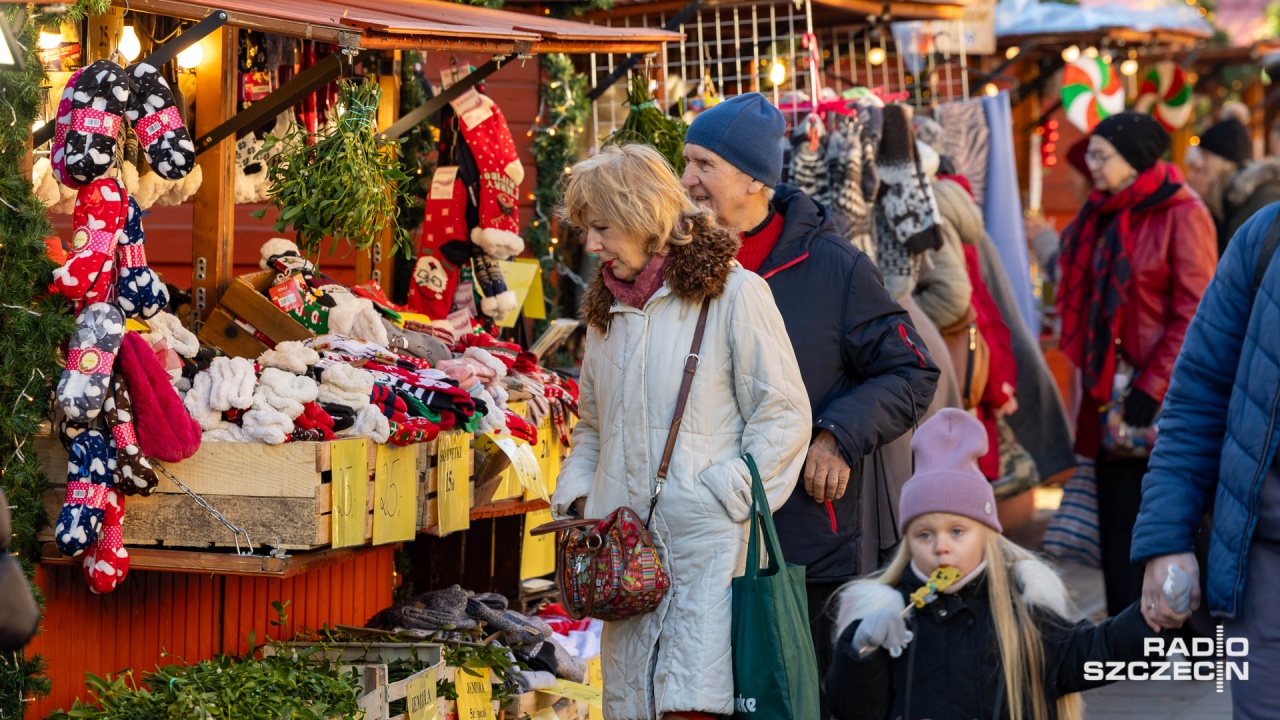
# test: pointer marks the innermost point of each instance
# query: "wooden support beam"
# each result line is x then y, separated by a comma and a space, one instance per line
213, 226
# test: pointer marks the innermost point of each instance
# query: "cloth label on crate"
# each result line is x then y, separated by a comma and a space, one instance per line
475, 694
420, 699
453, 478
287, 295
576, 691
350, 462
395, 494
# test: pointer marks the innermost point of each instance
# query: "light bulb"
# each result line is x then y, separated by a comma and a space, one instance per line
191, 57
1071, 54
130, 47
991, 90
50, 40
778, 73
1129, 67
1012, 52
875, 56
37, 125
1091, 52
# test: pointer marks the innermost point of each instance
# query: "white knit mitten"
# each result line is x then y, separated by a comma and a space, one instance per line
198, 402
233, 383
291, 356
286, 392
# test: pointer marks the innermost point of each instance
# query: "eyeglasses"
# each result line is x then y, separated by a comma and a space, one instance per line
1098, 157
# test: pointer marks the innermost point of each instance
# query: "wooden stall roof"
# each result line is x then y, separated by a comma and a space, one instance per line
836, 10
1166, 38
415, 24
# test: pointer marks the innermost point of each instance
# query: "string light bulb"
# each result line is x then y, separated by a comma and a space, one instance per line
1129, 67
1012, 52
190, 58
778, 73
130, 47
991, 90
1071, 53
1091, 52
50, 40
875, 56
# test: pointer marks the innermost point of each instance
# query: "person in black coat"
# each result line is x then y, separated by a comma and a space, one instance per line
865, 369
996, 643
19, 616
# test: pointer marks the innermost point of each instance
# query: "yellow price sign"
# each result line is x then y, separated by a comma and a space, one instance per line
452, 481
421, 697
475, 694
525, 469
576, 691
543, 452
350, 488
537, 554
595, 678
395, 494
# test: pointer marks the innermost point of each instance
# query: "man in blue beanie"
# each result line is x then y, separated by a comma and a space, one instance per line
868, 376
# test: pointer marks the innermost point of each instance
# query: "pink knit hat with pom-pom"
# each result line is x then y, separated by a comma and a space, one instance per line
947, 479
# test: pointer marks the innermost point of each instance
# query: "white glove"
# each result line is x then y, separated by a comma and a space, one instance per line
882, 629
1177, 590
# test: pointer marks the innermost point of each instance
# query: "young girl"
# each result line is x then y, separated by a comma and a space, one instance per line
997, 643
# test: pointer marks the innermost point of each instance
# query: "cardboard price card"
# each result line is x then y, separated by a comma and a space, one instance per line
395, 494
421, 697
475, 694
350, 488
595, 678
537, 554
453, 478
576, 691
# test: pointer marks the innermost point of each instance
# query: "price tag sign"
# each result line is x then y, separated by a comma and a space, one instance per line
350, 488
524, 471
453, 477
524, 278
576, 691
543, 453
537, 554
395, 494
421, 697
595, 678
475, 694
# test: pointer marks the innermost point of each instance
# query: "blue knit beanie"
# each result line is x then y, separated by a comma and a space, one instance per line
747, 132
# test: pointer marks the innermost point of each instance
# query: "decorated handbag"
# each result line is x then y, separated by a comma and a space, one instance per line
609, 569
1120, 439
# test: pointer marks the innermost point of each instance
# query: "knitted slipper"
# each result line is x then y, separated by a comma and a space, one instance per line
58, 151
90, 464
498, 301
134, 474
83, 387
140, 292
153, 112
107, 562
165, 430
101, 207
97, 113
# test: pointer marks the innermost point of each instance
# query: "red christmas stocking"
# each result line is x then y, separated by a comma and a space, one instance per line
107, 562
501, 173
443, 249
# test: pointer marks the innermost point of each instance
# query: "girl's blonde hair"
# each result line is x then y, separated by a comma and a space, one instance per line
632, 188
1019, 638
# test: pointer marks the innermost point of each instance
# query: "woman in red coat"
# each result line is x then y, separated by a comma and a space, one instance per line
1134, 264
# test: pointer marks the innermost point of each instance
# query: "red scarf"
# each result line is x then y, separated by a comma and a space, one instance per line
1096, 272
636, 293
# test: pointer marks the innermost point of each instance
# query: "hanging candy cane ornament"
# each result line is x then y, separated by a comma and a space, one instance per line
1165, 94
1091, 92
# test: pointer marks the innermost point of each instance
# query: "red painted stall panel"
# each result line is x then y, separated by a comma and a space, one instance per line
188, 616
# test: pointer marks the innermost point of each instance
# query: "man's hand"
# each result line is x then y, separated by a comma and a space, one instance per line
1155, 606
826, 474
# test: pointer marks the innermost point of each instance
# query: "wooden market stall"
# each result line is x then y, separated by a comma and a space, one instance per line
318, 506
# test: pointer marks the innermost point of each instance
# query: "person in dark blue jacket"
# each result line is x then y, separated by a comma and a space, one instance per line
1216, 453
866, 371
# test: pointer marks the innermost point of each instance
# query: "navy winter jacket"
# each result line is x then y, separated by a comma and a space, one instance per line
1218, 429
864, 367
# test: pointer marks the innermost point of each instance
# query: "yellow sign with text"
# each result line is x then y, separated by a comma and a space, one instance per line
453, 480
538, 554
595, 678
524, 278
420, 699
576, 691
395, 494
524, 471
350, 488
548, 461
475, 694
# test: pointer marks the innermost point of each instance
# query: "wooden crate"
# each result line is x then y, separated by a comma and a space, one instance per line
245, 298
280, 494
222, 332
531, 702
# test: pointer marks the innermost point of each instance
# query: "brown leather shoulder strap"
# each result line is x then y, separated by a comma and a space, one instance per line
691, 363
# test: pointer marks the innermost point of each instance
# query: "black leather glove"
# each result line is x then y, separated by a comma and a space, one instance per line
1140, 409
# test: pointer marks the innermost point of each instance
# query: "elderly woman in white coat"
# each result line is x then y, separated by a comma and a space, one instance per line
661, 257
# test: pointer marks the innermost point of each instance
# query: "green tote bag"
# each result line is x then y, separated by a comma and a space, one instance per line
775, 674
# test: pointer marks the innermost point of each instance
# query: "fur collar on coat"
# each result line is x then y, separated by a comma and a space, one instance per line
1248, 179
694, 272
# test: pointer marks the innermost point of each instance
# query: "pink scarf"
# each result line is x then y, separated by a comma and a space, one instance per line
636, 293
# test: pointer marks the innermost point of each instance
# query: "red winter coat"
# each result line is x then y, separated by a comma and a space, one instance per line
1003, 368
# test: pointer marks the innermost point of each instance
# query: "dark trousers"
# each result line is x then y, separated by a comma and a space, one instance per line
1119, 497
822, 620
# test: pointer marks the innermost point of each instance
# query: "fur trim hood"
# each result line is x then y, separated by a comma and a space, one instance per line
1248, 179
1040, 587
694, 272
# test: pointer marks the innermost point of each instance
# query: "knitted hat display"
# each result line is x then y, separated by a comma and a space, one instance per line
165, 430
154, 114
107, 562
58, 150
1228, 139
90, 465
98, 105
501, 173
746, 131
1139, 138
906, 199
496, 301
442, 248
134, 474
140, 293
101, 209
91, 354
947, 479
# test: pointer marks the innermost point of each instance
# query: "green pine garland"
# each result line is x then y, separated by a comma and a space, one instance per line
32, 325
417, 145
555, 148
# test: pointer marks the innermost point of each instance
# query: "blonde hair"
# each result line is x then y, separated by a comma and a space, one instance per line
635, 189
1220, 170
1018, 636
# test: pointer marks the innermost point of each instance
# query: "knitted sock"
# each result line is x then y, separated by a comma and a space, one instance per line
101, 207
90, 465
315, 420
134, 474
391, 406
498, 301
415, 343
501, 173
140, 292
107, 562
90, 357
808, 159
343, 416
442, 249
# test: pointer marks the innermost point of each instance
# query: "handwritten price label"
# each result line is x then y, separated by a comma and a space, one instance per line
453, 476
350, 488
475, 694
421, 697
395, 494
